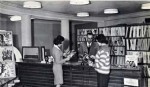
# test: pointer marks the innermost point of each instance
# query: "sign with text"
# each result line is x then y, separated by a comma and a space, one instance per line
131, 82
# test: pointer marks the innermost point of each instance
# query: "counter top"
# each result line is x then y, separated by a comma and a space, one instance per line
78, 64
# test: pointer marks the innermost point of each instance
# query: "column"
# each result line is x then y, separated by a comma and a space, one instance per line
26, 30
65, 28
65, 33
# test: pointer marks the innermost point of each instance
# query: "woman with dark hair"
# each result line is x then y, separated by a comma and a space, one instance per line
102, 61
58, 61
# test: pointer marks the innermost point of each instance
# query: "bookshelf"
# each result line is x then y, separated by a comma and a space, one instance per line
81, 34
123, 40
116, 41
138, 43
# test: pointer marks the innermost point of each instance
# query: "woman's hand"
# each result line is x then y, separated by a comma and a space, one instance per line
92, 56
90, 63
65, 54
68, 58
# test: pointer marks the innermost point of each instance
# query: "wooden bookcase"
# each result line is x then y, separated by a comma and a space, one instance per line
123, 40
138, 42
116, 38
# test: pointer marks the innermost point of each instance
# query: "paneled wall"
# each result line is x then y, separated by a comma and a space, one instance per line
44, 32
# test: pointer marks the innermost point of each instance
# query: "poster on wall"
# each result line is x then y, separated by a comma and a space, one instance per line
6, 38
7, 69
7, 63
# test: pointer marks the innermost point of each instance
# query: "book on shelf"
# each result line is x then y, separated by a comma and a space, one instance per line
117, 41
138, 31
138, 44
131, 60
117, 31
106, 31
144, 57
117, 51
95, 31
146, 71
117, 60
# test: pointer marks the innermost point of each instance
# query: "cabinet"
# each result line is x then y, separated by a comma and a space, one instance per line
41, 75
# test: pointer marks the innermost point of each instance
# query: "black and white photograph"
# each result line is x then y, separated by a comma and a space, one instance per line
74, 43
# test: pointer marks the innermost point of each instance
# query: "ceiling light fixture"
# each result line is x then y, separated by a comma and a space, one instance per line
111, 11
145, 6
15, 18
83, 14
32, 4
79, 2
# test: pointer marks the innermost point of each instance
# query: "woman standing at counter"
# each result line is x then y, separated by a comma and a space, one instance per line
58, 61
102, 61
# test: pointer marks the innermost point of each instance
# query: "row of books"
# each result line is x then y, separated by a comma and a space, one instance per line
117, 60
112, 41
146, 71
112, 31
138, 44
117, 51
130, 31
81, 38
138, 31
116, 41
85, 31
84, 38
143, 57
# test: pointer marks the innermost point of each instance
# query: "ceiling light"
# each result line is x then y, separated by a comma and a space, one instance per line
79, 2
83, 14
32, 4
15, 18
111, 11
145, 6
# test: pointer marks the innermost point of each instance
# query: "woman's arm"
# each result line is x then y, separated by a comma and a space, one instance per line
58, 57
101, 59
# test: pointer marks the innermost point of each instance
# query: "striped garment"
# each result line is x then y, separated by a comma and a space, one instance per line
102, 60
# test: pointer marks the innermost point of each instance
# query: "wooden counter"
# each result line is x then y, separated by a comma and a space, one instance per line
41, 75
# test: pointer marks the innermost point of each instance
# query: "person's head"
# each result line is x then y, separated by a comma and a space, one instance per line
59, 40
101, 39
89, 36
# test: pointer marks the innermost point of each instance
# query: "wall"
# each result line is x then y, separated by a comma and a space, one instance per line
44, 33
124, 19
15, 27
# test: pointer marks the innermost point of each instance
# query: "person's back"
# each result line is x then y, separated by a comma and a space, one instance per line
103, 58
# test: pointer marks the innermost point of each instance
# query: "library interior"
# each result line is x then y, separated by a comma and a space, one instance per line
74, 43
